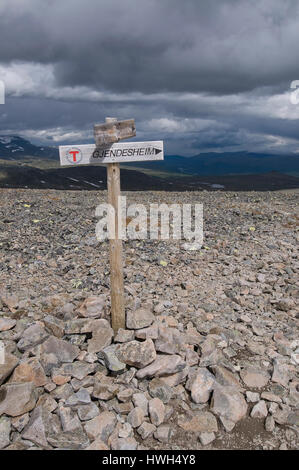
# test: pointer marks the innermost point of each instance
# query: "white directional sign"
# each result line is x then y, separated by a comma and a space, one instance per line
120, 152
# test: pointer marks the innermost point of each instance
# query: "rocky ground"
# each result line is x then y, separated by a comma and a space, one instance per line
209, 359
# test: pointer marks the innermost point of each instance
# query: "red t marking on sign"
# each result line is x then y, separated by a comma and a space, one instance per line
74, 153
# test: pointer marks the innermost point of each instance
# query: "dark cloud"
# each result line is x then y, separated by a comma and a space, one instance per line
157, 45
201, 74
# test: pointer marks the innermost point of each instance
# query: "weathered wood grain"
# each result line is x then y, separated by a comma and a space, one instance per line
118, 316
116, 252
113, 131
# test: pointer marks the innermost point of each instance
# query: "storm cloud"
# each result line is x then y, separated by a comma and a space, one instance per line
200, 75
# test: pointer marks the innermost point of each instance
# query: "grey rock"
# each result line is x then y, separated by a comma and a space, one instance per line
62, 350
280, 373
29, 370
268, 396
88, 381
128, 443
78, 369
7, 324
140, 401
255, 378
76, 340
252, 397
49, 387
97, 444
5, 427
40, 426
273, 408
79, 326
259, 410
125, 431
105, 389
270, 424
63, 392
285, 304
206, 438
192, 357
47, 402
163, 365
137, 354
123, 408
101, 338
82, 397
156, 411
229, 405
127, 377
19, 422
146, 430
18, 445
159, 389
201, 386
226, 377
169, 341
173, 380
164, 433
69, 440
88, 412
69, 419
135, 417
101, 426
49, 362
123, 336
94, 307
17, 399
293, 418
151, 332
54, 326
198, 421
111, 359
125, 395
281, 414
140, 318
212, 358
32, 336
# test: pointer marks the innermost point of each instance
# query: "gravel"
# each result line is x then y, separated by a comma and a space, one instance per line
225, 311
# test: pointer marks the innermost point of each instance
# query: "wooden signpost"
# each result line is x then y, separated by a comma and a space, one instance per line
108, 150
118, 316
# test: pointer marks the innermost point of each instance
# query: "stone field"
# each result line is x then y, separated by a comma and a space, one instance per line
209, 357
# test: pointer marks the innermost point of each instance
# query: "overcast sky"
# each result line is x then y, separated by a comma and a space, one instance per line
203, 75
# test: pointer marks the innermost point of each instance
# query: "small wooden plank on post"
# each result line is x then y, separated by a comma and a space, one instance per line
113, 131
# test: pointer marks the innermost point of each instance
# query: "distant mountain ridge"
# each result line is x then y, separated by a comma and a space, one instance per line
225, 163
211, 163
20, 175
13, 147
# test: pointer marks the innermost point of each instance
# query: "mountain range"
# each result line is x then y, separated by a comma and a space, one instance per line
211, 163
13, 147
225, 163
25, 165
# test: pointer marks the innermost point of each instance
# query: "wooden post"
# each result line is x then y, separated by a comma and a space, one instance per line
116, 256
